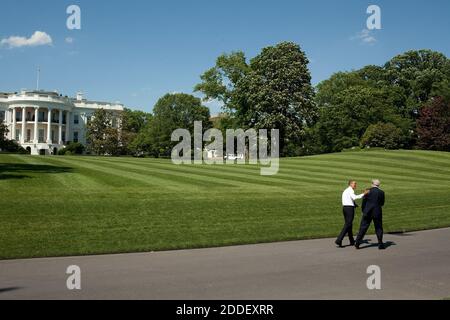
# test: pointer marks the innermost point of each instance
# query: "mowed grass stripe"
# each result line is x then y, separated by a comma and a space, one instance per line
304, 174
395, 158
241, 174
128, 176
343, 173
416, 167
196, 177
90, 177
212, 174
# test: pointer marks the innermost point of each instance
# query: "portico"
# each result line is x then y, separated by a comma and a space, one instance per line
43, 122
35, 119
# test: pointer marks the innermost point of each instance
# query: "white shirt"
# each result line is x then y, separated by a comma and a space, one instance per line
349, 197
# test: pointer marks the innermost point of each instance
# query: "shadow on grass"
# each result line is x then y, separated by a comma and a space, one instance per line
21, 171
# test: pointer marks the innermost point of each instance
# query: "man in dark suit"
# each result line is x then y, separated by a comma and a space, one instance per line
372, 208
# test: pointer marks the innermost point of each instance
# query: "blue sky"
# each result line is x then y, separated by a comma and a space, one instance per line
135, 51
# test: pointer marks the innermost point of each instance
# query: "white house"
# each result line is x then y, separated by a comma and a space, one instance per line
44, 122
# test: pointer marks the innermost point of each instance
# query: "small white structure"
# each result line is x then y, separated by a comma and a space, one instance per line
44, 122
238, 156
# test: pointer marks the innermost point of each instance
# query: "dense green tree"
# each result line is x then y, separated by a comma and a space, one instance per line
417, 74
273, 91
348, 112
132, 122
171, 112
220, 81
276, 93
383, 135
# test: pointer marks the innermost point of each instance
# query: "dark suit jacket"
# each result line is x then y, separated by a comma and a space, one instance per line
374, 202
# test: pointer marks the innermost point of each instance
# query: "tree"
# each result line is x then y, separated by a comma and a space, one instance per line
220, 81
132, 122
276, 93
433, 126
383, 135
3, 133
347, 112
171, 112
102, 137
417, 74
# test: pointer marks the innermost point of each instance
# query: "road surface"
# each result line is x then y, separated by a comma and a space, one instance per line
416, 265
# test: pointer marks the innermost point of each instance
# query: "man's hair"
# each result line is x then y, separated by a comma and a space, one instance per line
376, 183
351, 181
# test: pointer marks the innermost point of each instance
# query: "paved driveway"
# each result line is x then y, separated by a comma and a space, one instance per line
415, 266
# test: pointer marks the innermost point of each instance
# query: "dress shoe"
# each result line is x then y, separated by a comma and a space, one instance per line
352, 243
357, 244
381, 246
339, 244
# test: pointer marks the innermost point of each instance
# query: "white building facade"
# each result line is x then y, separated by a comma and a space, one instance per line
44, 122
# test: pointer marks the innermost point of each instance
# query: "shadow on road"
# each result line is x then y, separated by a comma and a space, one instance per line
20, 171
400, 233
3, 290
387, 244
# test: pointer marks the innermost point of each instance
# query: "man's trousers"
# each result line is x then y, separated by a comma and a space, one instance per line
349, 216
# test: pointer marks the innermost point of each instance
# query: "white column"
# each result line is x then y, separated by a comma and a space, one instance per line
36, 123
13, 129
67, 126
22, 138
60, 127
49, 126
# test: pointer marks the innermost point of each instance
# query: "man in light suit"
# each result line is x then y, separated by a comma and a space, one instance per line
372, 208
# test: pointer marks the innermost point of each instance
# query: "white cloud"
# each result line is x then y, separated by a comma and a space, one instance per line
365, 36
69, 40
39, 38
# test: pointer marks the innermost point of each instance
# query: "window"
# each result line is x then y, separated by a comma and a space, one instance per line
41, 135
28, 135
18, 115
76, 119
75, 136
63, 135
53, 135
41, 116
2, 116
17, 135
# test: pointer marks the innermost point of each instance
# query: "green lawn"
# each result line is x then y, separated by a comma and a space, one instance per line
55, 206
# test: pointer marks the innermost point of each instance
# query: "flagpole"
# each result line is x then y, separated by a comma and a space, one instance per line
38, 76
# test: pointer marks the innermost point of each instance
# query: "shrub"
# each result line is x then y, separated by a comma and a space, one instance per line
12, 146
384, 135
74, 148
